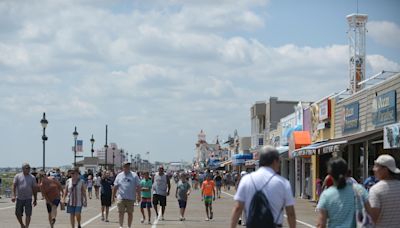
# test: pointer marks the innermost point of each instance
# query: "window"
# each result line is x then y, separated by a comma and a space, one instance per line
260, 141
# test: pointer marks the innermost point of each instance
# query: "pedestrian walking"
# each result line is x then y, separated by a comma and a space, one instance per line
1, 192
146, 185
24, 187
384, 196
338, 204
218, 184
126, 190
52, 192
97, 184
106, 184
75, 197
208, 196
161, 188
265, 184
182, 192
90, 186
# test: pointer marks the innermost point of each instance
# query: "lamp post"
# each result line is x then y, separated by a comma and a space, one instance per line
106, 147
131, 159
113, 149
75, 134
44, 123
121, 152
92, 142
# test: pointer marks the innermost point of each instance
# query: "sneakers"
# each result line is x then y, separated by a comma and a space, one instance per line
142, 220
162, 218
211, 215
107, 220
102, 218
207, 219
149, 222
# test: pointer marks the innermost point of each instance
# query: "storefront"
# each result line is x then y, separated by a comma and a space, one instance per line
362, 119
239, 161
302, 164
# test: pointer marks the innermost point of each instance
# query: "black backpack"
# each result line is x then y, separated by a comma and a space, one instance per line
260, 214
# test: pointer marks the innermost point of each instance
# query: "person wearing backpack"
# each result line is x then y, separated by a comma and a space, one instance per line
264, 194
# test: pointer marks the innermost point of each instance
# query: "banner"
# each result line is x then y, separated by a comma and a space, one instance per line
79, 146
391, 136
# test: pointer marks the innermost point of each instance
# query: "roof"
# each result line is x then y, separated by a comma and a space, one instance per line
88, 161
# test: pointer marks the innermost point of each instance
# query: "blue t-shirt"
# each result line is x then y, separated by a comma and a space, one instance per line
127, 183
340, 205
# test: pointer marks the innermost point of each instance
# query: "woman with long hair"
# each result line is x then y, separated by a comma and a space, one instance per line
337, 204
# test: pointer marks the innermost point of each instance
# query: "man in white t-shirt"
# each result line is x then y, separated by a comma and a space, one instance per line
277, 191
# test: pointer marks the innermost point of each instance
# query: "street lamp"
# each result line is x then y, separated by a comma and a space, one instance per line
113, 149
121, 152
75, 134
44, 123
92, 142
105, 149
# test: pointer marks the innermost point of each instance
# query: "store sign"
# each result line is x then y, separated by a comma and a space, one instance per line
351, 116
324, 110
384, 108
391, 136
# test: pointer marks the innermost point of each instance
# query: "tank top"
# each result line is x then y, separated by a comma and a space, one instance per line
74, 193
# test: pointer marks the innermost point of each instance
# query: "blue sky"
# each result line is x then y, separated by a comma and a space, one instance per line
159, 71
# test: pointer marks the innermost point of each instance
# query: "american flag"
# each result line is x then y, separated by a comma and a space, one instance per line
79, 146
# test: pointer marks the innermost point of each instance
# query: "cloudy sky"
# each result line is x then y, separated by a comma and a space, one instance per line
159, 71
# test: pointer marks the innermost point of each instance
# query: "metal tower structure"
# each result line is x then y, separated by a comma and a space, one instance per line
356, 34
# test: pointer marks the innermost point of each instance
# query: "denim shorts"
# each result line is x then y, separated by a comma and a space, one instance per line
74, 210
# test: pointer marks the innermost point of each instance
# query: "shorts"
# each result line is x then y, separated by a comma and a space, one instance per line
21, 205
208, 200
160, 199
182, 203
146, 203
105, 200
125, 205
74, 210
49, 206
89, 189
218, 183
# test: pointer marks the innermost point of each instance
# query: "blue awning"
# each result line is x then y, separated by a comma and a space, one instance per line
289, 131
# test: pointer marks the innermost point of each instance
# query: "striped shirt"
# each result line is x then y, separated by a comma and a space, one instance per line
386, 195
74, 193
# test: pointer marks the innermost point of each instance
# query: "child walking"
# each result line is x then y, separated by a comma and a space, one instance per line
182, 192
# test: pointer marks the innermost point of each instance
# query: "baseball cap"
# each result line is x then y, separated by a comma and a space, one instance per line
387, 161
126, 163
243, 173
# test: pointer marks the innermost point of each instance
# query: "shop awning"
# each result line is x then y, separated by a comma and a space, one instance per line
301, 139
251, 163
308, 150
336, 145
224, 163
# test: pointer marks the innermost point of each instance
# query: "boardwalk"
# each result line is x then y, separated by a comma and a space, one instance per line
195, 215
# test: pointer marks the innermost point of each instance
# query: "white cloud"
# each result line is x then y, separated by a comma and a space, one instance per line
385, 32
155, 73
379, 63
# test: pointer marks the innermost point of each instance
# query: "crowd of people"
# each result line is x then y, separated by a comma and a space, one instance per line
261, 196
